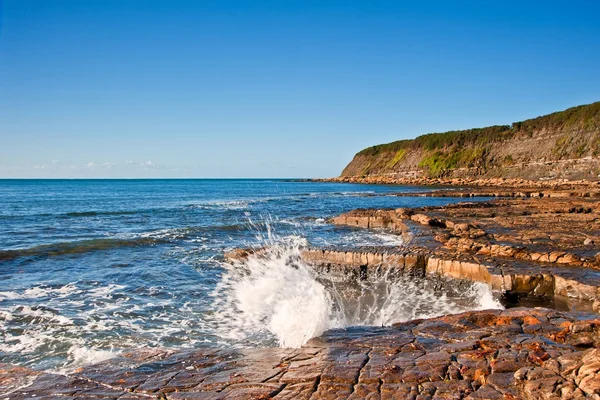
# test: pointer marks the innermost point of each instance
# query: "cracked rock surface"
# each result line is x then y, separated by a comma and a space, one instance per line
544, 245
520, 353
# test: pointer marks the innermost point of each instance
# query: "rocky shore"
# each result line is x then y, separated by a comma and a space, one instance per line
492, 183
538, 243
544, 245
557, 146
511, 354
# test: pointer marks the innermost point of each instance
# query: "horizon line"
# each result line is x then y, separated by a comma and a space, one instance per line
150, 178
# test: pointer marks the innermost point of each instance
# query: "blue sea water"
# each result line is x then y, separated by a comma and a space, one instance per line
89, 268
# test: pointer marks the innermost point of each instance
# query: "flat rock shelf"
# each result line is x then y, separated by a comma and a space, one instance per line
510, 354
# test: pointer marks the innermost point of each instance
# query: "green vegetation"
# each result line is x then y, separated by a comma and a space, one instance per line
397, 158
596, 145
442, 152
586, 117
365, 170
440, 163
435, 141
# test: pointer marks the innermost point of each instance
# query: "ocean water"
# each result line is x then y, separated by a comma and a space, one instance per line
90, 268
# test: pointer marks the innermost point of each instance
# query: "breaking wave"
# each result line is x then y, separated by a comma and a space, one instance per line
151, 238
274, 297
76, 247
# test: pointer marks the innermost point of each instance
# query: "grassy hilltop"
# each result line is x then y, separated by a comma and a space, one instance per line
561, 144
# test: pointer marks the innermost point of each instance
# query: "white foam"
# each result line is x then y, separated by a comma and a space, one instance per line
37, 292
42, 335
105, 291
41, 315
389, 239
486, 299
81, 356
276, 294
357, 238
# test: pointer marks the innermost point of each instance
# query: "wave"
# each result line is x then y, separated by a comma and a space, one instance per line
52, 336
233, 204
77, 247
85, 322
228, 205
40, 292
276, 296
77, 214
152, 238
240, 204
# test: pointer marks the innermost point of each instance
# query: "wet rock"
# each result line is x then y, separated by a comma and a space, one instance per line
475, 355
373, 219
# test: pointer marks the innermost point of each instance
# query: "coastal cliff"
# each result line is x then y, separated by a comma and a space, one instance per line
561, 145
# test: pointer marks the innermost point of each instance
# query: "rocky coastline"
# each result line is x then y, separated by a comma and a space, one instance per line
466, 182
561, 145
531, 242
510, 354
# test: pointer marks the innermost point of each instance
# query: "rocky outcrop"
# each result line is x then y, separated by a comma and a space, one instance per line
526, 279
479, 187
373, 219
543, 245
563, 145
511, 354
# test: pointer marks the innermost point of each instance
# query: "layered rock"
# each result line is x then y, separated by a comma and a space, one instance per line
563, 145
542, 245
493, 186
511, 354
534, 280
373, 219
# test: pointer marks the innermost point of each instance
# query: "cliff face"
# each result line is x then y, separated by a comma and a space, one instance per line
564, 144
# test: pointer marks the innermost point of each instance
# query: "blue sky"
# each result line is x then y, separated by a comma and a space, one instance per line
102, 88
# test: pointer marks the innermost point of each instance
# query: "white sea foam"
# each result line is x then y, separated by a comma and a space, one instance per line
37, 292
230, 205
273, 298
242, 204
80, 356
42, 335
274, 293
105, 291
357, 238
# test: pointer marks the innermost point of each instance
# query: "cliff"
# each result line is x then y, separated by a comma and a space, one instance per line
563, 144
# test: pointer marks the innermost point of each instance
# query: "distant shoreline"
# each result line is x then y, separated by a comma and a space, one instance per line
462, 182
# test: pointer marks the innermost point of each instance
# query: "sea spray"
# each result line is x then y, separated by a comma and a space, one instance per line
91, 267
274, 296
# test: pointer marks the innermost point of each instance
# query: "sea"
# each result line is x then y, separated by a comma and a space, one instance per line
93, 268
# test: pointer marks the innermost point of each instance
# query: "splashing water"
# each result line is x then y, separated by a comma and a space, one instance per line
94, 268
276, 294
273, 296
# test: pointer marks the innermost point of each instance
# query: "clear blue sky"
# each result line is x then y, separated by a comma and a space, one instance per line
101, 88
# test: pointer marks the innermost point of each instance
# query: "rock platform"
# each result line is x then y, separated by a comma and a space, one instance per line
541, 245
519, 353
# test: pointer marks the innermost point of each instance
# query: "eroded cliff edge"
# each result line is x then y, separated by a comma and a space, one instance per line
561, 145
